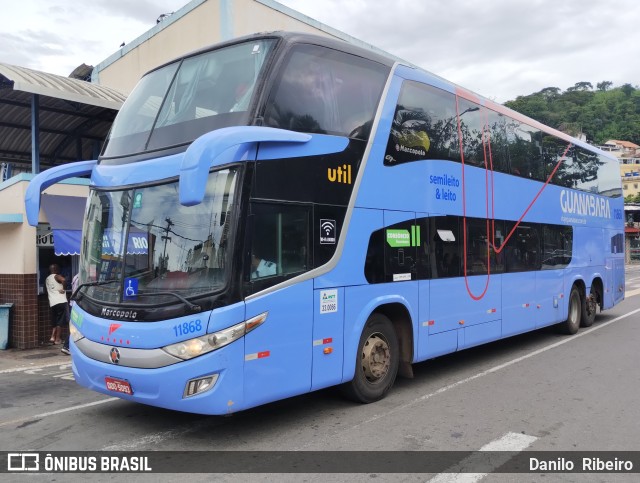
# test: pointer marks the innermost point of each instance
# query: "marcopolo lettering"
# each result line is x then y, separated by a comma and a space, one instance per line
120, 314
404, 149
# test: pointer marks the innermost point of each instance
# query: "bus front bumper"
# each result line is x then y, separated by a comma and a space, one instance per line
168, 386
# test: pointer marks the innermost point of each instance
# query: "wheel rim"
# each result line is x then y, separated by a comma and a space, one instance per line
376, 358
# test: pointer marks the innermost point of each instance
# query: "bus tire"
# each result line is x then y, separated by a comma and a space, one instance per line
572, 324
376, 363
589, 308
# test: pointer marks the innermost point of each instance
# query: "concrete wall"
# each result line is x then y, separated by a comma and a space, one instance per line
200, 24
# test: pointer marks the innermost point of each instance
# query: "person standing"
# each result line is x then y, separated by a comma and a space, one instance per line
74, 287
57, 302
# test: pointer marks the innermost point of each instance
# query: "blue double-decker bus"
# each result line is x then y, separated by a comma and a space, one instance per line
283, 212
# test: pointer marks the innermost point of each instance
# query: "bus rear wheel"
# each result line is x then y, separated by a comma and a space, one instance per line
572, 324
589, 308
376, 363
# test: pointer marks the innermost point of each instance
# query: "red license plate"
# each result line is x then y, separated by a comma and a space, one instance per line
118, 385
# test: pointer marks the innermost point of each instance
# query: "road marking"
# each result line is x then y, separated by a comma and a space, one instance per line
510, 442
489, 371
59, 411
63, 365
631, 293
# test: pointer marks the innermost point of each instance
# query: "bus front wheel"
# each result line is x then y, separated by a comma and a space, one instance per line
572, 324
376, 363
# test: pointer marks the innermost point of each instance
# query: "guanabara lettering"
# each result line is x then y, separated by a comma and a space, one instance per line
584, 204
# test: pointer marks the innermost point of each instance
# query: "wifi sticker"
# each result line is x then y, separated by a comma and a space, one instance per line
327, 232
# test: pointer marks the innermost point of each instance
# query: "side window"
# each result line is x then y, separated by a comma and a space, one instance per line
497, 136
481, 257
498, 262
472, 127
326, 91
446, 247
617, 243
580, 169
279, 242
553, 150
609, 177
522, 252
586, 170
374, 261
524, 144
595, 173
556, 246
424, 126
393, 253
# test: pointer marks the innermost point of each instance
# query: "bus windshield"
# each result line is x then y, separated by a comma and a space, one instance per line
181, 101
142, 241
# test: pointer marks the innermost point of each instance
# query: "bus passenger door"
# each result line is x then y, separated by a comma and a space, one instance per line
278, 353
277, 360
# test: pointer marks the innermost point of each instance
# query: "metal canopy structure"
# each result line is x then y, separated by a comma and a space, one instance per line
47, 120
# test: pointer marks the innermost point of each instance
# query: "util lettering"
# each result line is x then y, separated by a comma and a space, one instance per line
342, 174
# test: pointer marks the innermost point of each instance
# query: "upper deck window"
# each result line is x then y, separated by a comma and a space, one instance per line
424, 126
181, 101
321, 90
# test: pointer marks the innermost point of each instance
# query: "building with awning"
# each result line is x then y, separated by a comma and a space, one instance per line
45, 120
48, 120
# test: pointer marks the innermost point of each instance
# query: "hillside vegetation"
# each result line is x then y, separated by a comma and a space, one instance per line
601, 114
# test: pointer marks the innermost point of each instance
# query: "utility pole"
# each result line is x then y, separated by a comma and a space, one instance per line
166, 238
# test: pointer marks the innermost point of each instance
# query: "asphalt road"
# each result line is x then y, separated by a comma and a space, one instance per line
540, 391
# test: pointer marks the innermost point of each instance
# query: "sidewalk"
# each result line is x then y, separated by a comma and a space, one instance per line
45, 355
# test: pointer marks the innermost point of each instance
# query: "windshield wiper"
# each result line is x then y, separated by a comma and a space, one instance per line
193, 307
92, 284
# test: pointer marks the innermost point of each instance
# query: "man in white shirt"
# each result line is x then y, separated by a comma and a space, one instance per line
57, 302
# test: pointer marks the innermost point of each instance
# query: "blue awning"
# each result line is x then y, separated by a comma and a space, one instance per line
65, 215
67, 242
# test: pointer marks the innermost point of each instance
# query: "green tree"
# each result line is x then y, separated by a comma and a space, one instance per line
581, 86
604, 85
606, 113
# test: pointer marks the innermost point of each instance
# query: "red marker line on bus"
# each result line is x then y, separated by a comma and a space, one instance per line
491, 242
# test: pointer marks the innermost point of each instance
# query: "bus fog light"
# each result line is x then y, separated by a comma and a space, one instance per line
200, 385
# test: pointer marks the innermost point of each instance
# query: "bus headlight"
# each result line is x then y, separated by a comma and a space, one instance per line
191, 348
74, 333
